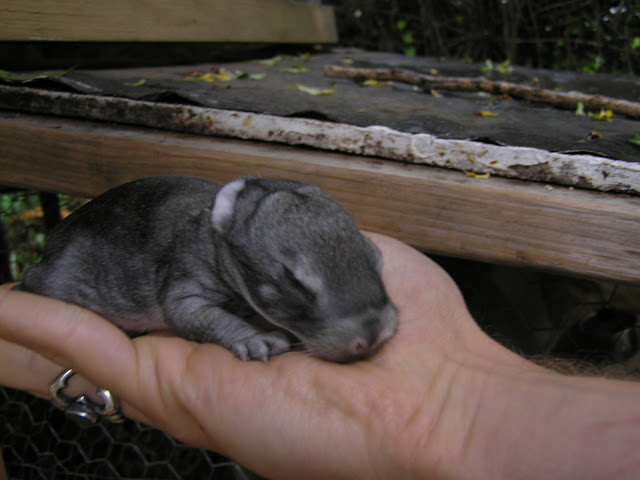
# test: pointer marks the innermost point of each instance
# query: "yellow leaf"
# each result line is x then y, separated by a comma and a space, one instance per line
199, 77
375, 83
484, 113
482, 176
224, 77
315, 91
602, 116
593, 135
505, 67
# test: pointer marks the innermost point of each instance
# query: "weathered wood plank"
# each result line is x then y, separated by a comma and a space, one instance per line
439, 211
272, 21
525, 163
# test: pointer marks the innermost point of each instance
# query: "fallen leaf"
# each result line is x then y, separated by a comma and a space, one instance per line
316, 91
580, 108
375, 83
224, 77
295, 69
29, 77
139, 83
481, 176
239, 74
484, 113
269, 61
434, 93
602, 116
347, 61
635, 140
593, 135
199, 77
505, 67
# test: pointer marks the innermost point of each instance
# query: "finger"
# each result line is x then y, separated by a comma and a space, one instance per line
24, 369
410, 275
429, 303
66, 335
147, 373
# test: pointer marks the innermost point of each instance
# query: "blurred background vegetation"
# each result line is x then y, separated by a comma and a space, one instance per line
23, 224
582, 35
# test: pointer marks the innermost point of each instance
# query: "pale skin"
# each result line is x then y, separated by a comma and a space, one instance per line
439, 400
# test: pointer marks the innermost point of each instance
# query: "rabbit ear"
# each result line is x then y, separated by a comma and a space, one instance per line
224, 205
304, 272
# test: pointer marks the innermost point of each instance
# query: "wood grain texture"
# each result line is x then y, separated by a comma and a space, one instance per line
272, 21
436, 210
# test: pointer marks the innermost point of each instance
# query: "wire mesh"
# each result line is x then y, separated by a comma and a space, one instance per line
39, 441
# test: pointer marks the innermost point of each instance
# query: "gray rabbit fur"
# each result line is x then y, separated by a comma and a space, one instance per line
255, 266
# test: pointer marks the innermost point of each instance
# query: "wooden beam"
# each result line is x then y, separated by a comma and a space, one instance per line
272, 21
436, 210
3, 471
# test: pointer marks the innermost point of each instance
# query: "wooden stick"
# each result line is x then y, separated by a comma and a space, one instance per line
427, 82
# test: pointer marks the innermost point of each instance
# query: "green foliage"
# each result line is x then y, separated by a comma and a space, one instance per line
21, 216
24, 233
582, 35
407, 38
594, 66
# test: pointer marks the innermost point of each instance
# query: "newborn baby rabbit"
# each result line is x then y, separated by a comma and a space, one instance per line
252, 265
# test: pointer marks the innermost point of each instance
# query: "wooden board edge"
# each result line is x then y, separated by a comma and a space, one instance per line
439, 211
271, 21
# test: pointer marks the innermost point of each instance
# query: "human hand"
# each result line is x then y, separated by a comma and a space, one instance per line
424, 405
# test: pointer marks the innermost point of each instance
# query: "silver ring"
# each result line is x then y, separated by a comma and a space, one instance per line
82, 407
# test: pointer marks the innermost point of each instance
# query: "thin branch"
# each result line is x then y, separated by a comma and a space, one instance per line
533, 94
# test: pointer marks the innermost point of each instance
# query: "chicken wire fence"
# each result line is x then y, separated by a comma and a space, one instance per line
39, 441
